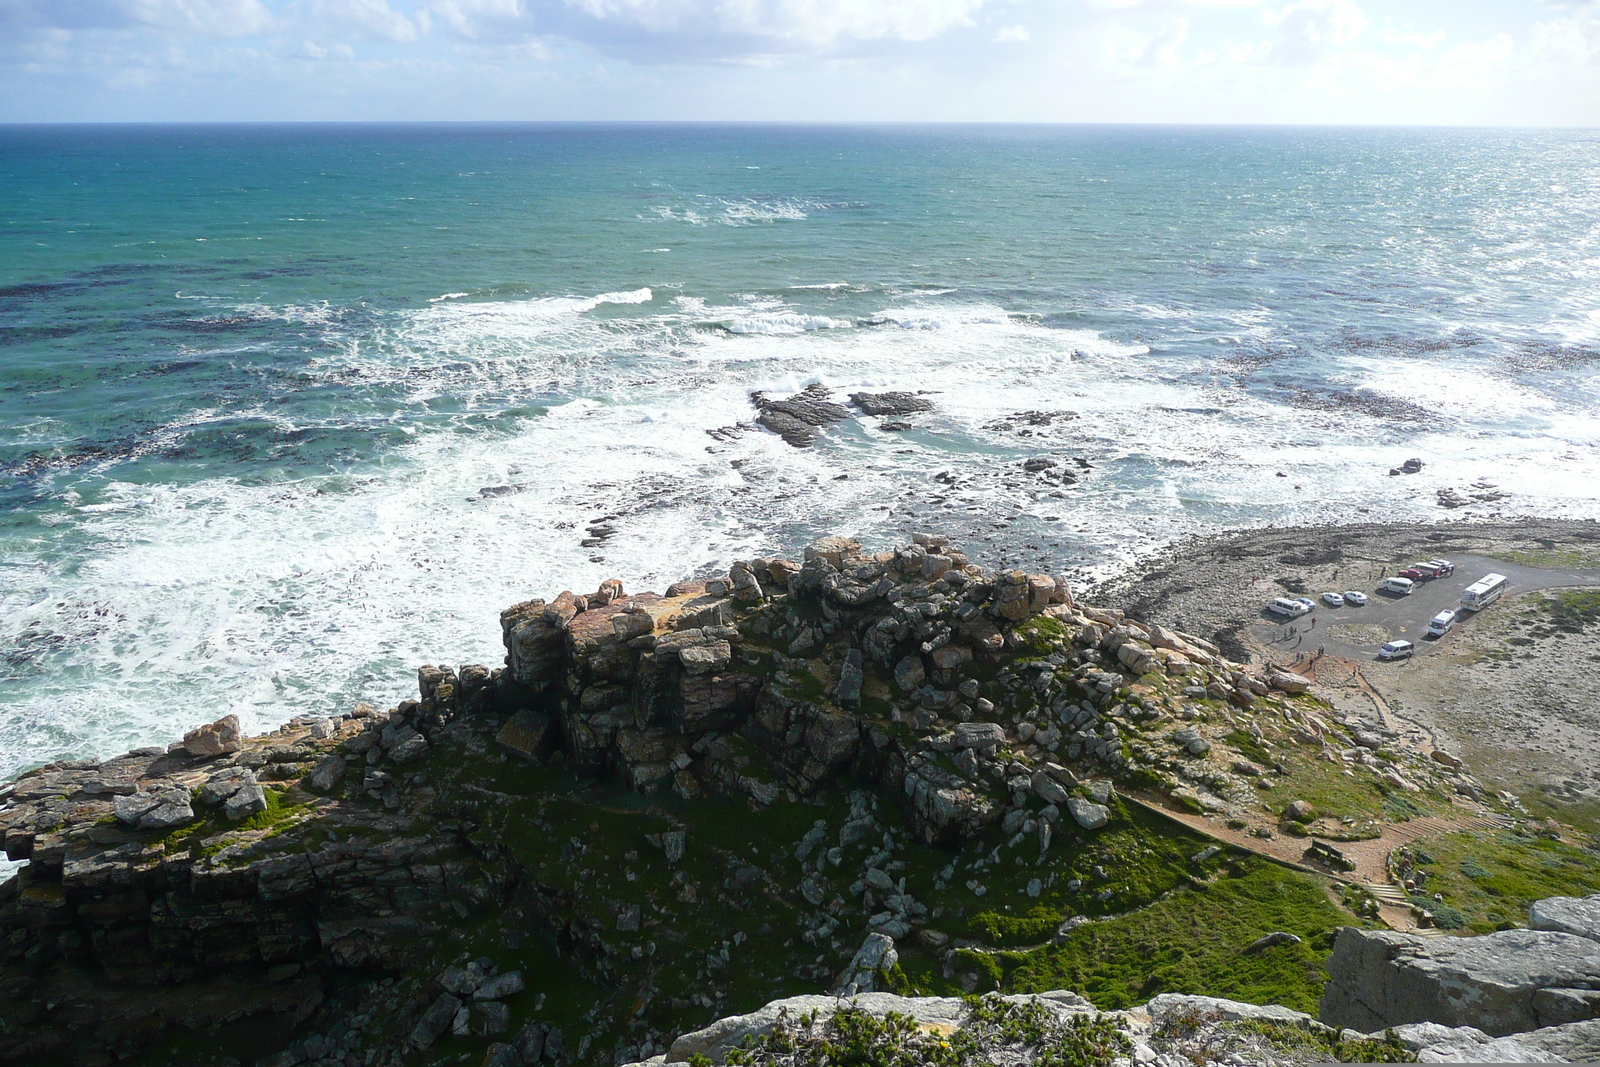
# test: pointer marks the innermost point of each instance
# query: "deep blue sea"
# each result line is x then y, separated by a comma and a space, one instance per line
286, 411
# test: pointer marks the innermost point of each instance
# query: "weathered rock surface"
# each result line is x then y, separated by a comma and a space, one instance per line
801, 417
1381, 978
217, 739
1567, 915
890, 403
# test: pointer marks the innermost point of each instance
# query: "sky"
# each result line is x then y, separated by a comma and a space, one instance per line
1408, 62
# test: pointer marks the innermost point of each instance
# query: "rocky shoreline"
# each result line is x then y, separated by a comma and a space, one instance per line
314, 894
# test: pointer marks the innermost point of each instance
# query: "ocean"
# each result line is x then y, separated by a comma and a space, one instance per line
286, 411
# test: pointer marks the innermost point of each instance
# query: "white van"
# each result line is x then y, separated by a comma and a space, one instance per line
1403, 586
1442, 624
1484, 591
1288, 609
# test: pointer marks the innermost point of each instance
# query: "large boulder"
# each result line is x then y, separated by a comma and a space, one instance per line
876, 955
215, 739
1379, 979
1567, 915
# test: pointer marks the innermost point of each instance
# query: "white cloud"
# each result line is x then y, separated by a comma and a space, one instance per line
365, 20
1012, 34
1125, 47
475, 18
205, 18
813, 22
1310, 29
200, 18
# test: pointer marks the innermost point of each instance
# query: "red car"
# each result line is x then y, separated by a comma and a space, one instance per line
1415, 574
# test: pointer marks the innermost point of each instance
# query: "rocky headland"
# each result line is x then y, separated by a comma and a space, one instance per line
894, 776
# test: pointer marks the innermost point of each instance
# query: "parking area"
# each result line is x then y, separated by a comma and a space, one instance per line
1353, 632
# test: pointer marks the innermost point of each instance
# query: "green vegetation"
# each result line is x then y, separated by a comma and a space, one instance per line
276, 818
1354, 793
1319, 1045
1489, 879
1040, 636
852, 1037
1193, 941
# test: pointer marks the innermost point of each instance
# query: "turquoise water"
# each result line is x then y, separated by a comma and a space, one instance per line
286, 411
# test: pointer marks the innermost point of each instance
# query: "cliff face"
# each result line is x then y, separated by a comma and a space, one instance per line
879, 721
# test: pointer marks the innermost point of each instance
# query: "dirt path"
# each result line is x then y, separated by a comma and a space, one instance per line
1369, 856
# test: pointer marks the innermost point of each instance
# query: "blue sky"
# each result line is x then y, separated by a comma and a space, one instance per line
1513, 62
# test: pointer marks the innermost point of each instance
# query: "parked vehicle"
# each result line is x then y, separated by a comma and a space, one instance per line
1441, 624
1288, 609
1355, 598
1311, 605
1442, 568
1397, 649
1333, 600
1415, 573
1484, 591
1401, 585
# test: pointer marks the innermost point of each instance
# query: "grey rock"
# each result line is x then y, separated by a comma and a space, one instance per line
1574, 1042
628, 919
878, 879
435, 1021
1277, 937
1567, 915
979, 735
131, 808
1191, 741
1047, 789
224, 784
1553, 1006
673, 843
851, 676
500, 1054
890, 403
529, 1042
1495, 1050
1181, 1005
813, 889
410, 750
877, 953
249, 799
1088, 815
1418, 1036
173, 811
706, 659
500, 986
909, 673
462, 981
1379, 979
327, 775
801, 417
493, 1017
